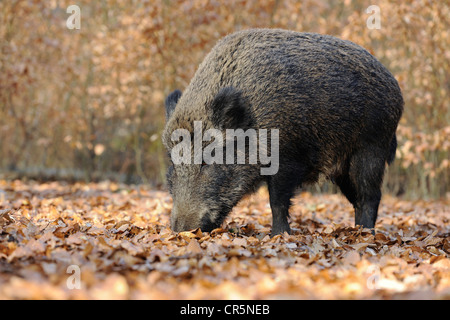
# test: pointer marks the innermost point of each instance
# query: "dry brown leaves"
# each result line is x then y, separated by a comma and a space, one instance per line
118, 238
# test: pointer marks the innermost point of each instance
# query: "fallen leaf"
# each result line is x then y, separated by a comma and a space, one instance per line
194, 247
352, 257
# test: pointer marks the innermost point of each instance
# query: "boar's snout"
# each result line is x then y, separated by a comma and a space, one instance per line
179, 221
183, 221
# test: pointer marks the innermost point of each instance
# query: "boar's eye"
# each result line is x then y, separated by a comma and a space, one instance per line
169, 155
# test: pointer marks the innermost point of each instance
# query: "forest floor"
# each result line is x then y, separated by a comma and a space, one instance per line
112, 241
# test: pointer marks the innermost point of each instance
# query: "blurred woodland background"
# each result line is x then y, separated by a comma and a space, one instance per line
87, 104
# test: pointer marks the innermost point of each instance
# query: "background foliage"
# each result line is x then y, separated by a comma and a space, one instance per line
88, 104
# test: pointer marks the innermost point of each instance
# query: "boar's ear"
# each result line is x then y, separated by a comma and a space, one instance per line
229, 110
171, 102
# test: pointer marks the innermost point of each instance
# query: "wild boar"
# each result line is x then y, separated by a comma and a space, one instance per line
332, 107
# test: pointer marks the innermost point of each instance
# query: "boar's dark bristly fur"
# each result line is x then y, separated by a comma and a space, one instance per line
336, 108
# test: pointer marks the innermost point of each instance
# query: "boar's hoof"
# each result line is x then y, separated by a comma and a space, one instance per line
280, 230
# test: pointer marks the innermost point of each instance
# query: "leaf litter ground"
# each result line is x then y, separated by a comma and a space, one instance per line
114, 241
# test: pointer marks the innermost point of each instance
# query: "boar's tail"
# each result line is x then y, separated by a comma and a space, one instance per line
392, 149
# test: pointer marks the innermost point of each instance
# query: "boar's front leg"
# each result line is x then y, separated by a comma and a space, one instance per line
281, 189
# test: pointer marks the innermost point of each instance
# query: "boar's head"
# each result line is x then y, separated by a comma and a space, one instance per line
204, 192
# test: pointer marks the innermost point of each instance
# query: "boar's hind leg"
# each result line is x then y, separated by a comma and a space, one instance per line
281, 189
363, 185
